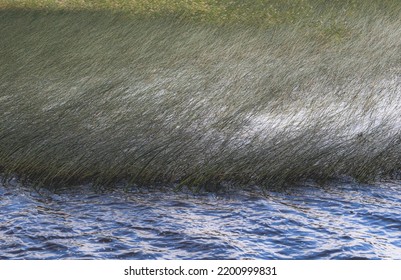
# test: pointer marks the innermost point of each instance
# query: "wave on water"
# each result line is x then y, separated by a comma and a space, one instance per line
342, 220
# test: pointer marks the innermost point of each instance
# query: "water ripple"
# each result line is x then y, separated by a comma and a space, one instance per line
343, 220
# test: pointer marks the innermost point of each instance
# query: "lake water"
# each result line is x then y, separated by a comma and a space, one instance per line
342, 220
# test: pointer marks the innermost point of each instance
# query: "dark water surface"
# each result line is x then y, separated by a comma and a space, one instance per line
341, 221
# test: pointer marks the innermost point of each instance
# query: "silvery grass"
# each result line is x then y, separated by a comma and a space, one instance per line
101, 98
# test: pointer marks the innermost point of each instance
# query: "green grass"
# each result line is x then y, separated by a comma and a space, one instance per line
254, 12
250, 92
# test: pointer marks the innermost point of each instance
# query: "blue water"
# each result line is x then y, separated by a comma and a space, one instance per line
343, 220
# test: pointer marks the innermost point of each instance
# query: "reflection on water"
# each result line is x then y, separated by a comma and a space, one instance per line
341, 221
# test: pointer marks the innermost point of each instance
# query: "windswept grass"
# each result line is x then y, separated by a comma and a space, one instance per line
104, 98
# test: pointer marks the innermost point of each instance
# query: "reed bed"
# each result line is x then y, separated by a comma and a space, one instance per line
113, 96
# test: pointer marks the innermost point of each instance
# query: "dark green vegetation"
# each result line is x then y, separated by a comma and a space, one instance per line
108, 97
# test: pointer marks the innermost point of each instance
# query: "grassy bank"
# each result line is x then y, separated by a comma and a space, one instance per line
252, 12
170, 96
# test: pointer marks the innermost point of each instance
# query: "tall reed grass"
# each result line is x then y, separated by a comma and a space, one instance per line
102, 97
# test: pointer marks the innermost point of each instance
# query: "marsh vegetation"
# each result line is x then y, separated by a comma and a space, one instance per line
199, 93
